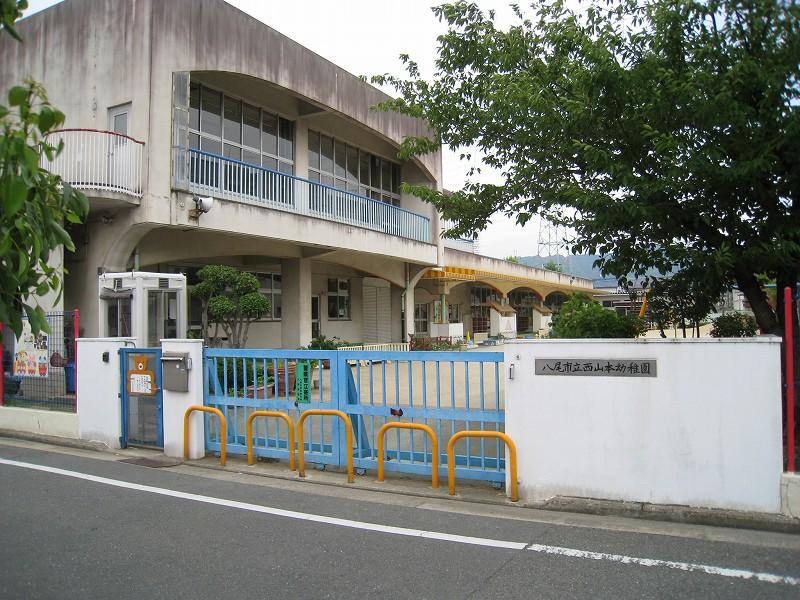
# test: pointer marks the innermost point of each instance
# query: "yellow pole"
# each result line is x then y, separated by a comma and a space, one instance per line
451, 459
643, 309
223, 430
301, 450
269, 413
420, 427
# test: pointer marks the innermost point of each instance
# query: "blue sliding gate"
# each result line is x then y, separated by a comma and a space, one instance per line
448, 391
141, 395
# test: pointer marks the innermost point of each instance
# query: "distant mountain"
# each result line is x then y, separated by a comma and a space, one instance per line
580, 265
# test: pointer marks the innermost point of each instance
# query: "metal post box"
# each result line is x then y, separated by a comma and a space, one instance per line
175, 367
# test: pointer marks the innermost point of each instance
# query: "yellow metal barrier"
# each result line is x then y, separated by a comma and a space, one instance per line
223, 430
269, 413
451, 459
301, 470
420, 427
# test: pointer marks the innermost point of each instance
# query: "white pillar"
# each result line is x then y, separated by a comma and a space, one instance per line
409, 310
176, 403
296, 302
99, 403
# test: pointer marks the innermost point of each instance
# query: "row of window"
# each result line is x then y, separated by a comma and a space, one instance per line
340, 165
226, 126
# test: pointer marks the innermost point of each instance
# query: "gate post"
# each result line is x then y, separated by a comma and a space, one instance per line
176, 403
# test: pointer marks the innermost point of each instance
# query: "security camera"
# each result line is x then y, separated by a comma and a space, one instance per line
202, 205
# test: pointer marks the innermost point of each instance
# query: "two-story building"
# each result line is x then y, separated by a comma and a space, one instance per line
169, 102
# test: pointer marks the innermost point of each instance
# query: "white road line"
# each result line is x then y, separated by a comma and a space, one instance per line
421, 533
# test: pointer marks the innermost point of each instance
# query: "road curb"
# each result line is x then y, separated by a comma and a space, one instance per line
54, 440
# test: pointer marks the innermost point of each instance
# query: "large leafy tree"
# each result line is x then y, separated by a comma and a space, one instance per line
35, 203
666, 133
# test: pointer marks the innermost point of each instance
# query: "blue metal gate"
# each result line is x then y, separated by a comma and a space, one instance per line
141, 395
448, 391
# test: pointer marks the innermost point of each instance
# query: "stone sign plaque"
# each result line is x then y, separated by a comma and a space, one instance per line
597, 367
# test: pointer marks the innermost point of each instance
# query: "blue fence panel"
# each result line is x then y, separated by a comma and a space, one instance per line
448, 391
239, 382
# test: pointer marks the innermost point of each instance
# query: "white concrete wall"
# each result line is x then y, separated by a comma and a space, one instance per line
176, 403
705, 432
43, 422
99, 404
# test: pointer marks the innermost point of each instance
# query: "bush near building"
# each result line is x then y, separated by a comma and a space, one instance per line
582, 317
734, 325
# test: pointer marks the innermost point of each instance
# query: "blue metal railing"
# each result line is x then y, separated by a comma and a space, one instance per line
238, 181
448, 391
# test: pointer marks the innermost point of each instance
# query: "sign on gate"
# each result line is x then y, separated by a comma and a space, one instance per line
141, 380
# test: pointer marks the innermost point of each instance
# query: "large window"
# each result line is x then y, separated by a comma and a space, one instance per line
338, 299
227, 126
271, 288
339, 165
480, 296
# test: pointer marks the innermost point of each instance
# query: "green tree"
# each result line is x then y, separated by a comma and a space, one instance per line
665, 133
230, 301
552, 265
684, 298
35, 202
582, 317
512, 259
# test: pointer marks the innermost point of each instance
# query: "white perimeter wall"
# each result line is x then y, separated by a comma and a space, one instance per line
705, 432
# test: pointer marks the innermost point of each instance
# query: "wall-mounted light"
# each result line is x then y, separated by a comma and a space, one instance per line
203, 204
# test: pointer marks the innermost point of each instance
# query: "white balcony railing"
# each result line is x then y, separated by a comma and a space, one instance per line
229, 179
98, 160
463, 244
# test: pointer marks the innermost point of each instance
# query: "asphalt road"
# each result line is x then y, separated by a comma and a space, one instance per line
92, 527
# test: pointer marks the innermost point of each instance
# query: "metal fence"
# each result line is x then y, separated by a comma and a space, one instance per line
448, 391
40, 371
234, 180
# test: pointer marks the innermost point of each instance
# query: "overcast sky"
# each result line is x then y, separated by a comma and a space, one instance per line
366, 37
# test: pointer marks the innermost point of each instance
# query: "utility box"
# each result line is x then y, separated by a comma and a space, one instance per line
175, 367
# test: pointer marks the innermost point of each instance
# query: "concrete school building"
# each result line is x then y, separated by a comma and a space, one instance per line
171, 103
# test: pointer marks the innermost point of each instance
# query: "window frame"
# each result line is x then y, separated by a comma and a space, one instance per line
343, 299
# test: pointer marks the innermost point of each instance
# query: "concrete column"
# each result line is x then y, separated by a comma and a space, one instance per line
296, 302
99, 404
409, 310
176, 403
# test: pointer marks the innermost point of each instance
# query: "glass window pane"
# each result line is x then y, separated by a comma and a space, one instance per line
333, 285
194, 141
375, 171
277, 306
232, 152
396, 179
269, 134
352, 164
386, 175
265, 282
326, 154
233, 121
326, 180
211, 113
286, 148
344, 285
352, 187
333, 307
344, 307
340, 184
364, 163
251, 158
210, 146
276, 281
313, 150
341, 160
313, 176
194, 107
269, 162
286, 168
251, 127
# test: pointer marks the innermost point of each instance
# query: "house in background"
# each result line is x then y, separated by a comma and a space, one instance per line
168, 103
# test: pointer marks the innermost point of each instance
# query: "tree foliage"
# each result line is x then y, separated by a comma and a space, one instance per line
582, 317
552, 265
685, 298
230, 300
35, 202
734, 324
666, 133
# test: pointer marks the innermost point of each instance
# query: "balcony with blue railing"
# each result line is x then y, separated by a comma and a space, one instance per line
213, 175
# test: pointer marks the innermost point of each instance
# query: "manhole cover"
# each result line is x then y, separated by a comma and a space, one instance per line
154, 463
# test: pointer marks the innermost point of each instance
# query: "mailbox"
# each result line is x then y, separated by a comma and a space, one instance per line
175, 367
